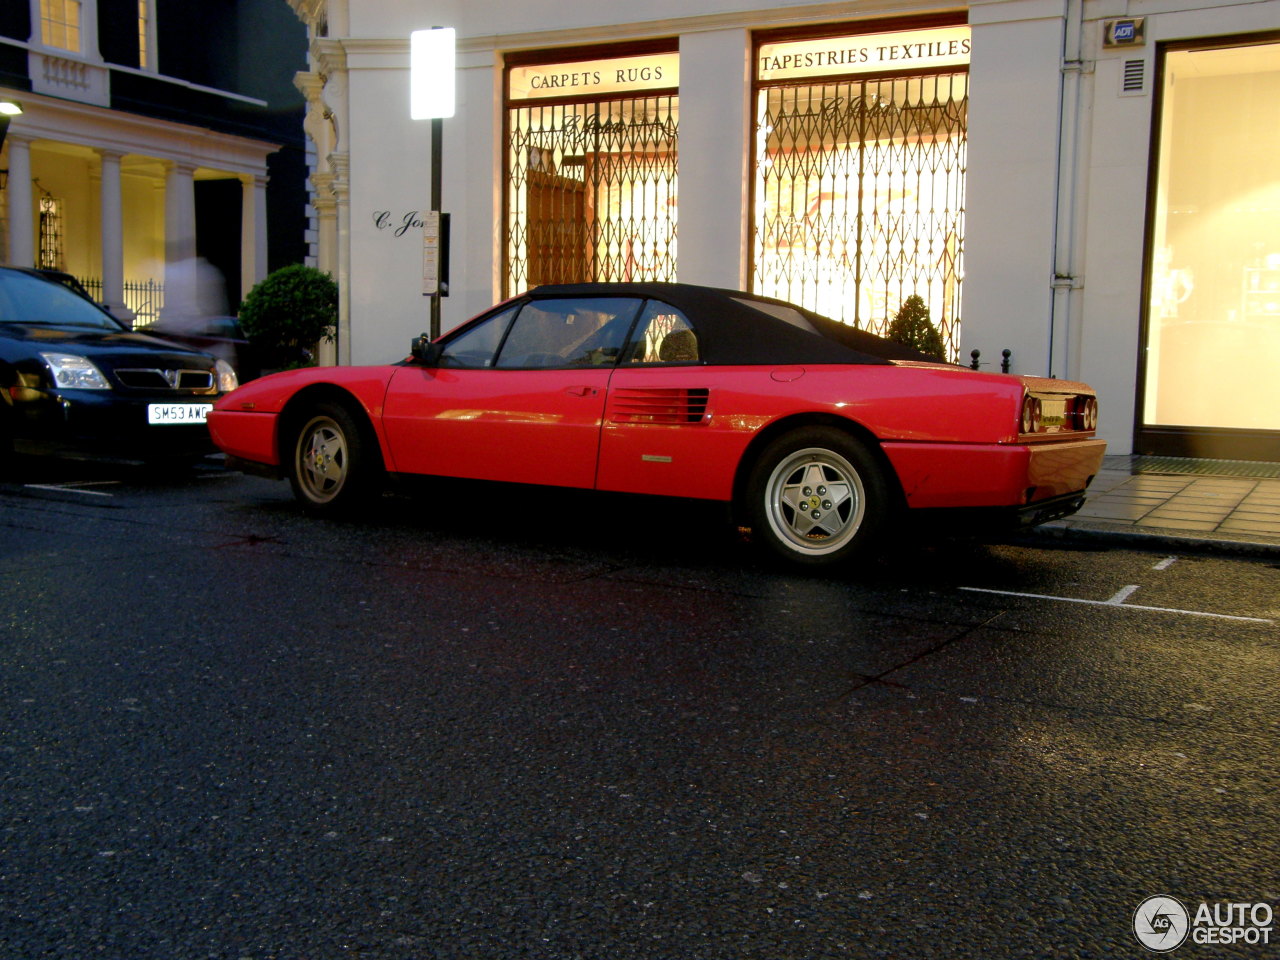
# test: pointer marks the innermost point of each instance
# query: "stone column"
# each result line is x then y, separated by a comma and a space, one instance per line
113, 236
22, 227
180, 269
715, 121
340, 164
326, 207
253, 232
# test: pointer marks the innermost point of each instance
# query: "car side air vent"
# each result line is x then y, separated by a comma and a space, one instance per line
698, 400
659, 405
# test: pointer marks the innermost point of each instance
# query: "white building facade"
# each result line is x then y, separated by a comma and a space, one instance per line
1088, 185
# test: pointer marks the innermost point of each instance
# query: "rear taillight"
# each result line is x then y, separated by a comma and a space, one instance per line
1030, 414
1088, 419
1058, 413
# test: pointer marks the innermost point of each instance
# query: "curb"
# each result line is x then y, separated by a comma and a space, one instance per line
1154, 539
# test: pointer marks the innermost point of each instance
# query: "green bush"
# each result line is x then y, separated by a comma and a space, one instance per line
913, 328
294, 307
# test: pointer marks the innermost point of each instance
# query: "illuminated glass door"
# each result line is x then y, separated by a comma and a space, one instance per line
1210, 381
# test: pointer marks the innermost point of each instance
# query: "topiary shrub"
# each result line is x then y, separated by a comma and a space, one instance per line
290, 312
913, 328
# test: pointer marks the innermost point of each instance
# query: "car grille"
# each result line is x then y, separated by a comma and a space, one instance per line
156, 379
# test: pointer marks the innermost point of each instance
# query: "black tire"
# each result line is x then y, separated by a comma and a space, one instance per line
333, 465
8, 459
817, 497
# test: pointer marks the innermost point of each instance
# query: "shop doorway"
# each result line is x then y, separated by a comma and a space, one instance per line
1208, 380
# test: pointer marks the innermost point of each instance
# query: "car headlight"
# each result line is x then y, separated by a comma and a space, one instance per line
227, 379
74, 372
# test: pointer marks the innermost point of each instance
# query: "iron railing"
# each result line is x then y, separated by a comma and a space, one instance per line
145, 298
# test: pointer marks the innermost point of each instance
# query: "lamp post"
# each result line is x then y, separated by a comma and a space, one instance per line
8, 110
432, 97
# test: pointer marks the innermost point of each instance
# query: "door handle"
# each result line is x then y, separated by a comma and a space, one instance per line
580, 391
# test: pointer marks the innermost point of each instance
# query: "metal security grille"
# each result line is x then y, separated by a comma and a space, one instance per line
859, 199
51, 234
591, 192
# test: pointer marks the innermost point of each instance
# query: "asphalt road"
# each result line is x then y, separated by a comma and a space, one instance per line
493, 723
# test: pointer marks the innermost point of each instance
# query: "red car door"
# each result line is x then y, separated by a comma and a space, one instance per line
517, 396
525, 426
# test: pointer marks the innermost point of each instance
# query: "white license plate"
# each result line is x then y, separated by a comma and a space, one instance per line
178, 413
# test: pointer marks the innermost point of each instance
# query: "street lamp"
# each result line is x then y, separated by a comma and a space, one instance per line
8, 110
432, 97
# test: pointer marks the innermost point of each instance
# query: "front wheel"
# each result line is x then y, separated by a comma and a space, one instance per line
331, 469
817, 497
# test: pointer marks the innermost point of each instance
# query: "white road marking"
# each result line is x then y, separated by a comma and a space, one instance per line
1165, 564
1113, 602
1122, 595
75, 487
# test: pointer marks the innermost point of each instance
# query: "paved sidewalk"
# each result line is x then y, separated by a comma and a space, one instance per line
1131, 501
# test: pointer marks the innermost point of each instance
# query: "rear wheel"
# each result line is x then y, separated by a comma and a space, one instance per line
331, 468
817, 497
8, 460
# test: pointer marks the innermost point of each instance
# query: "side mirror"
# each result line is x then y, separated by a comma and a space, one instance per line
424, 351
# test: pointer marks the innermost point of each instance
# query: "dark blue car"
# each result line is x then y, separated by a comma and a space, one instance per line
76, 382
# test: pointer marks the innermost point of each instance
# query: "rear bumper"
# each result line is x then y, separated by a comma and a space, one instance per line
1017, 477
995, 520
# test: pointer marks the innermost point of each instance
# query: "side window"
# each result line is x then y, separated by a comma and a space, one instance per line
477, 346
663, 335
569, 333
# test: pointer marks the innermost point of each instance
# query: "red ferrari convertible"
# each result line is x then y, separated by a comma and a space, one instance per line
822, 436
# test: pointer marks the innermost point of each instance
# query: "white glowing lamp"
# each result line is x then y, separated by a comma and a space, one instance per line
431, 69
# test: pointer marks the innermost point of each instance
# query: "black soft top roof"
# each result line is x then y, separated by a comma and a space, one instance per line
733, 332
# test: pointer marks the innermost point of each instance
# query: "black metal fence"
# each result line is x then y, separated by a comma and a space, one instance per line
145, 298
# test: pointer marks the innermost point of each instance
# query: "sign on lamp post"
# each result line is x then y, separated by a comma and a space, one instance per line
431, 97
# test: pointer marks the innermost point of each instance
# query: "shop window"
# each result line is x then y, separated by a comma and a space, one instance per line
1213, 307
859, 174
591, 170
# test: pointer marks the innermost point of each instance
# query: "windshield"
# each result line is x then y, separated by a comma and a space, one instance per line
25, 299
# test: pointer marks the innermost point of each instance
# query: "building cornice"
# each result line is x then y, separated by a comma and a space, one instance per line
770, 18
116, 131
393, 51
133, 71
